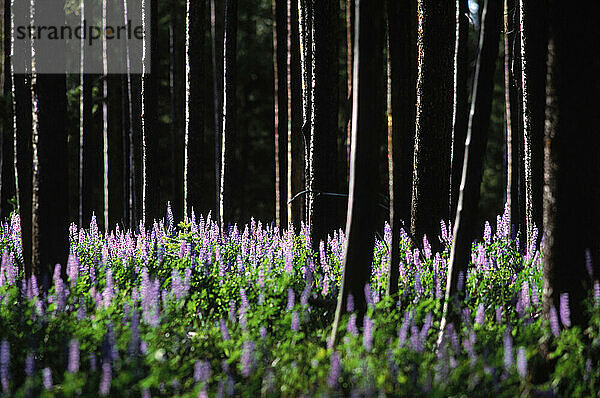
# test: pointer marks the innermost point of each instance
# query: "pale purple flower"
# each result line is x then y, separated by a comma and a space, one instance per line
426, 327
334, 371
525, 294
480, 316
368, 326
4, 365
444, 231
202, 371
295, 321
29, 364
565, 312
596, 293
368, 296
508, 350
263, 332
72, 269
350, 303
47, 378
247, 359
73, 366
554, 326
351, 326
291, 299
106, 379
522, 362
487, 233
460, 282
224, 331
107, 294
499, 314
426, 247
588, 263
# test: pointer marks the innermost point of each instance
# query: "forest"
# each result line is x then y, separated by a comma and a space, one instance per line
299, 198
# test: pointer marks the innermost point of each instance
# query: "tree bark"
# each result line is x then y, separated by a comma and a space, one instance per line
571, 195
533, 68
229, 114
195, 77
402, 25
461, 101
324, 134
295, 151
177, 147
216, 13
466, 222
431, 178
367, 119
281, 114
50, 218
150, 142
7, 153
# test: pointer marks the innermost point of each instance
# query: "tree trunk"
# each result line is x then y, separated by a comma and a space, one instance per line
306, 54
402, 25
466, 222
229, 114
350, 17
367, 119
571, 162
177, 148
324, 134
281, 114
461, 101
217, 16
295, 159
533, 68
7, 152
195, 78
150, 135
431, 178
50, 218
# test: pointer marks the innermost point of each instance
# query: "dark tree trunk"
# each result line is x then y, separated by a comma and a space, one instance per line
402, 39
217, 16
136, 141
305, 24
533, 68
350, 10
7, 178
295, 150
461, 101
50, 218
324, 134
368, 119
177, 149
281, 114
572, 165
150, 133
466, 222
194, 106
431, 178
229, 114
22, 128
116, 195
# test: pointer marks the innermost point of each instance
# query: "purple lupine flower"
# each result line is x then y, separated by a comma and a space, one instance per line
565, 312
29, 364
59, 288
525, 294
588, 263
508, 351
403, 329
306, 294
444, 231
480, 316
106, 379
350, 303
368, 326
247, 357
596, 293
47, 378
170, 219
263, 332
368, 296
224, 331
535, 298
522, 362
554, 326
334, 371
73, 366
291, 299
487, 233
244, 298
107, 294
351, 326
418, 287
426, 247
425, 329
4, 365
295, 321
460, 282
202, 371
417, 258
72, 269
243, 318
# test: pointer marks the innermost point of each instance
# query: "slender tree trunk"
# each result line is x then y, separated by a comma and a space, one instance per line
512, 133
431, 178
533, 22
466, 222
402, 28
306, 54
177, 197
50, 218
367, 119
350, 10
195, 77
22, 127
324, 217
150, 134
281, 114
295, 158
572, 143
461, 100
217, 16
229, 114
7, 179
